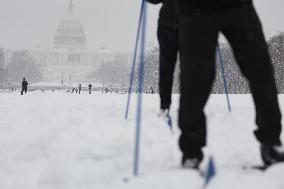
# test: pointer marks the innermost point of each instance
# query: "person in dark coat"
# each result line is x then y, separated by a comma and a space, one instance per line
79, 88
24, 86
168, 42
10, 87
90, 88
152, 90
201, 21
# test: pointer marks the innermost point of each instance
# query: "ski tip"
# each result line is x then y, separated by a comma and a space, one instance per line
256, 167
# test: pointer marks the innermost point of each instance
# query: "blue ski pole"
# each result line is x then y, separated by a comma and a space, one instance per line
134, 62
224, 77
140, 91
210, 172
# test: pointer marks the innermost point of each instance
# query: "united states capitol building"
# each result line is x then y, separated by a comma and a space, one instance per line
69, 59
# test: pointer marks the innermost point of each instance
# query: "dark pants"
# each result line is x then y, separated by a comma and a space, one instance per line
168, 41
198, 41
24, 89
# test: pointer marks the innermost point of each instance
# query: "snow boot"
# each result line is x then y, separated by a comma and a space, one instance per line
191, 163
271, 154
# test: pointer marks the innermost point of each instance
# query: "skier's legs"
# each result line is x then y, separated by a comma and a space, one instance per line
250, 49
198, 39
168, 41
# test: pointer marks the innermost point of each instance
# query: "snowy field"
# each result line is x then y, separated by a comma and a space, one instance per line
70, 141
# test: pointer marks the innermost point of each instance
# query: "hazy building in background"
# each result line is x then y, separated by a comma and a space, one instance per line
69, 60
70, 32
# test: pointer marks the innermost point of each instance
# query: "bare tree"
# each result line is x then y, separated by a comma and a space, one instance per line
276, 48
112, 74
22, 65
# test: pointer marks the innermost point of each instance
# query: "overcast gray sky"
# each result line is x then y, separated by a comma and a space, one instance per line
109, 23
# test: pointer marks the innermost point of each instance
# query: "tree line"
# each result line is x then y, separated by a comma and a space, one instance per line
116, 73
20, 64
237, 84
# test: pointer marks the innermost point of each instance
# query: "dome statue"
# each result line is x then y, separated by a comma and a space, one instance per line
70, 32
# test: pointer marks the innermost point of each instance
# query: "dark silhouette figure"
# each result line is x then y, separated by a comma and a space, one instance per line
79, 88
90, 88
201, 21
10, 87
152, 90
168, 42
24, 86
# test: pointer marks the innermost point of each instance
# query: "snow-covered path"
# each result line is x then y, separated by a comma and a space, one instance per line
70, 141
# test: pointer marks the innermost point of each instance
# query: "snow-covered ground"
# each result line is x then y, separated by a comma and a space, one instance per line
70, 141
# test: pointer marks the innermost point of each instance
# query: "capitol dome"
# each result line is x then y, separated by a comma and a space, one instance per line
70, 32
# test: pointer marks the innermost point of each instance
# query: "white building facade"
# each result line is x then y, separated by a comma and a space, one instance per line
69, 59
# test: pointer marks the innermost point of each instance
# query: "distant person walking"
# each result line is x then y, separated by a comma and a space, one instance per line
12, 88
152, 90
79, 88
24, 86
9, 85
90, 88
